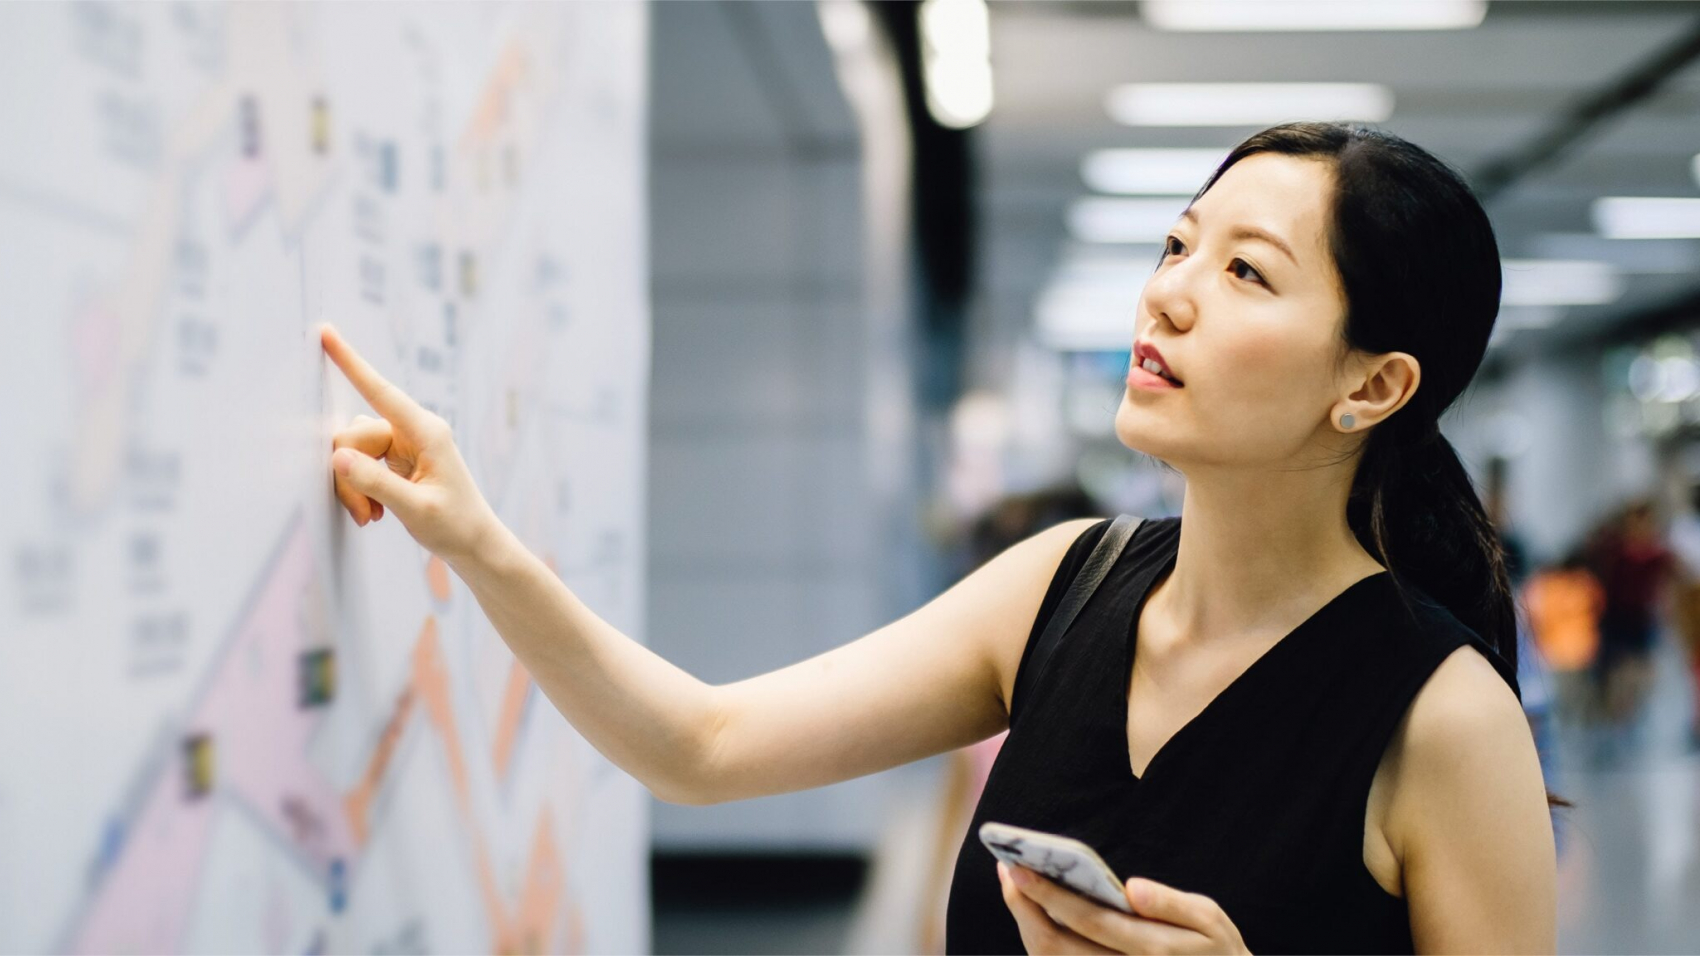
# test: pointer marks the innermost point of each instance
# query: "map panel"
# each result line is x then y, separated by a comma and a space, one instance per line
233, 722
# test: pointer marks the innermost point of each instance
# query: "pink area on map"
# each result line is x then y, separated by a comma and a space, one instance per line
259, 737
144, 901
94, 345
246, 185
257, 724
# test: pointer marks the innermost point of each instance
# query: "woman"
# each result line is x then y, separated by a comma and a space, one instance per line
1289, 715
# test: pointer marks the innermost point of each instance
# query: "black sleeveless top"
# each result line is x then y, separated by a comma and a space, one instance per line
1257, 803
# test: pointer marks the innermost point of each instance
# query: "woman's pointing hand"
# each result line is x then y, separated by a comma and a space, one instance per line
404, 462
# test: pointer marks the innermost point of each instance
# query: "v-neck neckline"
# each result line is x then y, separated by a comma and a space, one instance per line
1130, 644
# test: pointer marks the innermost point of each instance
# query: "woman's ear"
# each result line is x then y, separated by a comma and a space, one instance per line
1379, 386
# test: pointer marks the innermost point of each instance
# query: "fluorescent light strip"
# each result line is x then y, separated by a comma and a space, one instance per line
1284, 15
955, 61
1093, 314
1550, 282
1085, 329
1644, 217
1653, 257
1106, 219
1152, 172
1246, 104
1517, 317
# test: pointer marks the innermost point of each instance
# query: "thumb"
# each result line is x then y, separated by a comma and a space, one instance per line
1153, 900
375, 480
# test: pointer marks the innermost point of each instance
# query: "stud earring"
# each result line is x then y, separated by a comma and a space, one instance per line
1346, 421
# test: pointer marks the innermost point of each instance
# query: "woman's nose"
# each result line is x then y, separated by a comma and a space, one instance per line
1168, 295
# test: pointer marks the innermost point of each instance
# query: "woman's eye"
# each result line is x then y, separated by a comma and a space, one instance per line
1172, 247
1239, 267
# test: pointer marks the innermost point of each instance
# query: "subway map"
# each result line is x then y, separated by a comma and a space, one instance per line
230, 721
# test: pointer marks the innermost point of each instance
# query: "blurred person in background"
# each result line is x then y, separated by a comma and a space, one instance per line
1564, 604
1010, 520
1633, 566
1289, 717
1685, 601
1533, 676
902, 906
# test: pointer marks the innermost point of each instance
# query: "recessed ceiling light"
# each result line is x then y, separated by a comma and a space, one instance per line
1106, 219
1550, 282
1647, 217
1241, 15
1162, 172
1696, 167
1246, 104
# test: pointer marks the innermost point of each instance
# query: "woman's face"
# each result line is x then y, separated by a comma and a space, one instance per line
1246, 311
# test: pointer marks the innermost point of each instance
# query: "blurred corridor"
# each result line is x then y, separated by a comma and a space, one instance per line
1005, 246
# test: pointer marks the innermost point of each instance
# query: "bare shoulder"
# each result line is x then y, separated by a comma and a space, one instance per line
1467, 816
1464, 703
1016, 581
1464, 733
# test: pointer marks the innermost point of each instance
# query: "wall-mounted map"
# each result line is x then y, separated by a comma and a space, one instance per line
230, 721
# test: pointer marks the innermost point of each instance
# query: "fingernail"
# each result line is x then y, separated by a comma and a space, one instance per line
342, 463
1020, 875
1138, 892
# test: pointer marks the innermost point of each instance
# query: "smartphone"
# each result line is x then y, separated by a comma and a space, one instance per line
1062, 859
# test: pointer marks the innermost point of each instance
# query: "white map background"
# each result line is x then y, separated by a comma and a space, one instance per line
229, 720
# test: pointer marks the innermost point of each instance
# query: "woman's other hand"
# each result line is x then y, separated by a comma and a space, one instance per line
1054, 919
404, 462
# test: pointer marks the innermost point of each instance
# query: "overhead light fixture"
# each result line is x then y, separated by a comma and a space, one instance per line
1090, 302
844, 23
1107, 219
1122, 265
1286, 15
1074, 318
1551, 282
1671, 256
1647, 217
956, 49
1246, 104
1516, 317
1695, 167
1152, 172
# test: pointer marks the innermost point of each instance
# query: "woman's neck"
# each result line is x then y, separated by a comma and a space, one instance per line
1261, 551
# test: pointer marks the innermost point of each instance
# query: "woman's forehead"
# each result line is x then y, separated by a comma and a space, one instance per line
1285, 195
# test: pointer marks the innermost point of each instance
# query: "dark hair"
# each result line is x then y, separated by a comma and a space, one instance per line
1420, 270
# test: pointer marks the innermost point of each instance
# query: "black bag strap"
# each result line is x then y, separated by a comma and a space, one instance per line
1098, 564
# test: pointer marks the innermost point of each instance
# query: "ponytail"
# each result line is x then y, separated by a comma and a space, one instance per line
1413, 506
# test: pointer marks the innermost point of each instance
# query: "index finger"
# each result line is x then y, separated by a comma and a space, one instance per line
385, 399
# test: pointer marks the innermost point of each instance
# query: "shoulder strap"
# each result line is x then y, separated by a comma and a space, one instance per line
1098, 564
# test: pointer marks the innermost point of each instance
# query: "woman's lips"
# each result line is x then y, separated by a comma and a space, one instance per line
1146, 381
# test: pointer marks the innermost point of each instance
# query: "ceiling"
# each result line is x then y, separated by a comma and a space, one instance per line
1470, 96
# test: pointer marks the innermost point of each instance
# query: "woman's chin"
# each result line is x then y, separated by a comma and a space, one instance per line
1136, 429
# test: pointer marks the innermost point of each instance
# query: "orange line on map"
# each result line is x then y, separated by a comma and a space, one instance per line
492, 109
507, 721
358, 803
528, 930
535, 919
437, 577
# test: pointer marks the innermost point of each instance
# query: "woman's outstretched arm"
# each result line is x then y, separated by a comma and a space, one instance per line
936, 679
